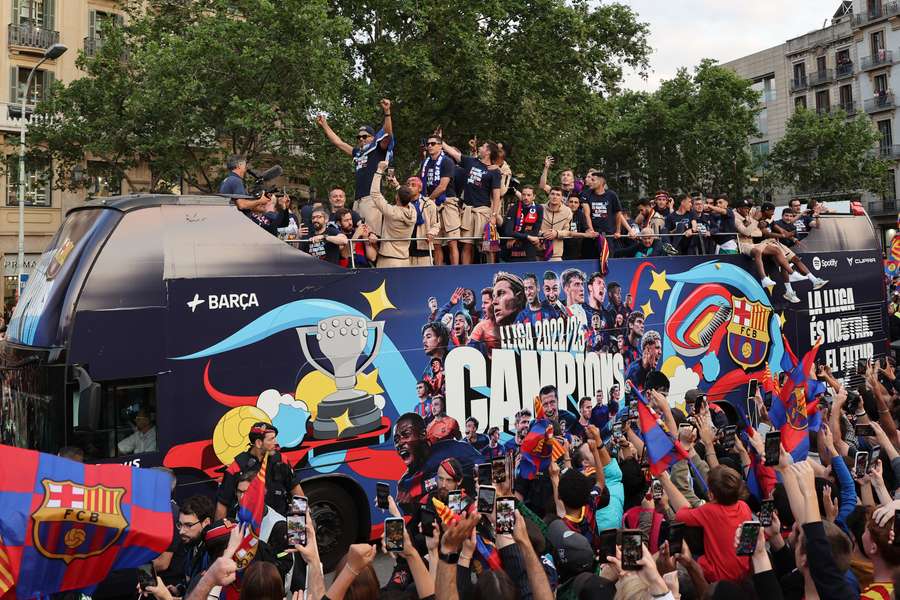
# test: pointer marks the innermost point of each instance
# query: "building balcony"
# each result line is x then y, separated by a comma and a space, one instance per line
876, 13
34, 38
880, 59
888, 151
798, 84
843, 71
880, 103
848, 107
820, 77
882, 206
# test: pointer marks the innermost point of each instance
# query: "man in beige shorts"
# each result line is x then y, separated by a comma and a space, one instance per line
481, 196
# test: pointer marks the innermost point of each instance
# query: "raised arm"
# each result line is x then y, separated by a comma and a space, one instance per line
388, 126
452, 152
542, 183
676, 499
333, 137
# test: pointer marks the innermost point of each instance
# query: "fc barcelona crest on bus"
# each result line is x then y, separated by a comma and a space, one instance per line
77, 521
748, 332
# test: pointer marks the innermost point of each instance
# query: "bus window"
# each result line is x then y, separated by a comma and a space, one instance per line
125, 423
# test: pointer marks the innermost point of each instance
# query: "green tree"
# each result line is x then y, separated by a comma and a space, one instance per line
828, 153
690, 134
185, 83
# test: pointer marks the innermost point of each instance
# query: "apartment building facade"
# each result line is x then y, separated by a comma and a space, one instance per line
32, 26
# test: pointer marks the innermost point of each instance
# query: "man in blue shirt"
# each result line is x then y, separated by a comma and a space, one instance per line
371, 149
234, 182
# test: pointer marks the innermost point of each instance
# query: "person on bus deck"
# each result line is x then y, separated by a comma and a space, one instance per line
786, 228
749, 231
427, 226
436, 174
144, 437
325, 239
397, 221
371, 149
645, 246
523, 223
649, 217
280, 480
234, 182
473, 437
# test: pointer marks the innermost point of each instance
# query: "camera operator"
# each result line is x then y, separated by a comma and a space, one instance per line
234, 181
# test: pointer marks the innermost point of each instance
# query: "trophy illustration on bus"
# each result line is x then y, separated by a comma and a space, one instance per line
342, 339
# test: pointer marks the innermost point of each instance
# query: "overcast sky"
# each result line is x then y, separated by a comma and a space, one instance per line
682, 32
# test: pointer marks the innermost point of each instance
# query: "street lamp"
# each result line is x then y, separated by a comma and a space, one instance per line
52, 53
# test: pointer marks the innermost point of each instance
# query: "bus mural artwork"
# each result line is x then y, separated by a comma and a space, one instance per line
358, 364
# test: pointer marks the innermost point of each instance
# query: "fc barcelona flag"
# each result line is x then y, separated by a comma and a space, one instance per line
65, 525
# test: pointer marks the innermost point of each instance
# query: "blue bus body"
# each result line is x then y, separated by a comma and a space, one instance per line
183, 305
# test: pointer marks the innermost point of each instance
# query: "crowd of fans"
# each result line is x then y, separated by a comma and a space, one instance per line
459, 208
571, 506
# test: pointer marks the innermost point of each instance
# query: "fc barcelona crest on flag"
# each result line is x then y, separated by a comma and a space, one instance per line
76, 521
748, 332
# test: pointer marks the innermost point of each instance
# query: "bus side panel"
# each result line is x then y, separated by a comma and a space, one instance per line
236, 356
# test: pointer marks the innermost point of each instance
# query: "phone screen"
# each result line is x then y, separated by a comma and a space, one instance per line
766, 510
484, 474
861, 366
426, 517
382, 491
864, 430
874, 455
454, 501
656, 489
486, 496
632, 551
752, 388
861, 464
728, 436
506, 515
633, 410
617, 431
608, 538
773, 448
498, 470
296, 521
748, 539
393, 534
676, 536
146, 576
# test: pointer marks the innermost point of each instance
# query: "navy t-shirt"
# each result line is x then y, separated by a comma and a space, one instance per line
787, 227
325, 250
801, 225
433, 171
480, 182
232, 185
678, 223
604, 208
365, 161
726, 229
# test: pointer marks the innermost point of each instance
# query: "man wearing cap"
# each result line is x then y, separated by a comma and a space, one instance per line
371, 149
280, 483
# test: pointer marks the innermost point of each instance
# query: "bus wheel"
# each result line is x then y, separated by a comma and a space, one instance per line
336, 520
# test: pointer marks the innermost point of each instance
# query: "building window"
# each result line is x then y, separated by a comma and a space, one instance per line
886, 143
877, 44
846, 96
103, 180
38, 177
40, 83
762, 122
34, 13
760, 152
881, 84
800, 102
766, 89
821, 64
823, 102
891, 191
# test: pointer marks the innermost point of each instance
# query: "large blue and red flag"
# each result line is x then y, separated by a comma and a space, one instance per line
662, 449
538, 449
65, 525
795, 409
251, 508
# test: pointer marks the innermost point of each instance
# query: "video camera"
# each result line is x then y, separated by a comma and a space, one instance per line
260, 181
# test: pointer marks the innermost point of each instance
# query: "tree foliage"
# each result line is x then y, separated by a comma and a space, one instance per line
691, 134
828, 153
184, 83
